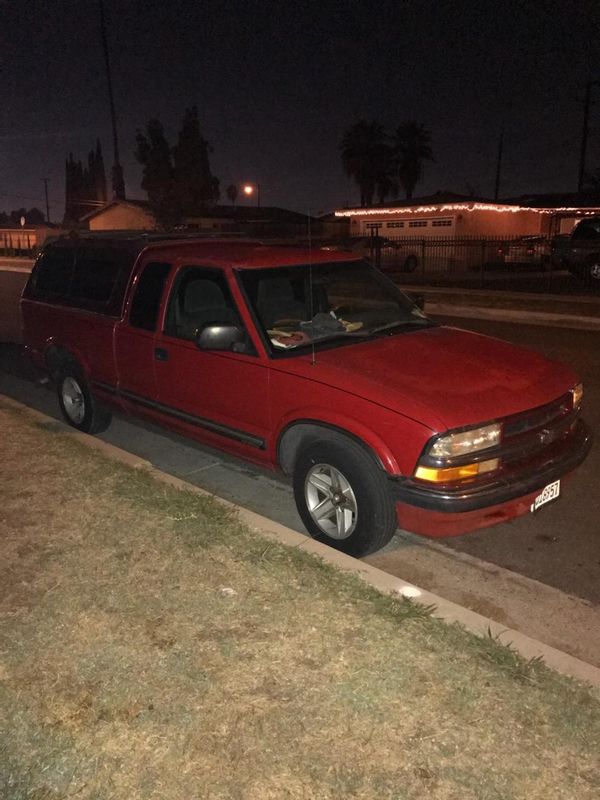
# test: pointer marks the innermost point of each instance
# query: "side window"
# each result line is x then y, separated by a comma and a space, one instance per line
148, 292
199, 297
94, 279
53, 274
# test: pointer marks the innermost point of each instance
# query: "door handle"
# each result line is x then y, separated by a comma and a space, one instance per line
160, 354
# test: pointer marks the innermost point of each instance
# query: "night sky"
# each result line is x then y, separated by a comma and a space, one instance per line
277, 83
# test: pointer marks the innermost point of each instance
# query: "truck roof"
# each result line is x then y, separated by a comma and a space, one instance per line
222, 252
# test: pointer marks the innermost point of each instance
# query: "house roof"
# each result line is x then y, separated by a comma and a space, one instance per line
251, 214
557, 200
228, 212
141, 204
544, 203
439, 198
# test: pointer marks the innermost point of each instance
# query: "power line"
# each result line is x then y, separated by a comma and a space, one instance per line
22, 197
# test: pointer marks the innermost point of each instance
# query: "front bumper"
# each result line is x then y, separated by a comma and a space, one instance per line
500, 489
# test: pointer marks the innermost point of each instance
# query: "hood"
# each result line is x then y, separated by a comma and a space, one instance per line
442, 377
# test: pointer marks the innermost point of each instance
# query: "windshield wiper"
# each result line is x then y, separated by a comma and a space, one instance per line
361, 334
422, 322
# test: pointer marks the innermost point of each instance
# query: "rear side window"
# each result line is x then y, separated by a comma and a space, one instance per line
90, 278
94, 279
146, 300
53, 275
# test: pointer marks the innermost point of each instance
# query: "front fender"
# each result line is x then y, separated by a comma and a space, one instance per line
396, 453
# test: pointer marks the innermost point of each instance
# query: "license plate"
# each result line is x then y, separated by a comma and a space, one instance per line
550, 492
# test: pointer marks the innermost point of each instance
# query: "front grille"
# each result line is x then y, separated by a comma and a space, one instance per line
545, 417
534, 436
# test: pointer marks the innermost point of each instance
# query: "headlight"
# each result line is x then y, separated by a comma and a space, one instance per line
453, 445
577, 394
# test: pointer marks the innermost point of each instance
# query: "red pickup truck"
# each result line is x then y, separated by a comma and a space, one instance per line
313, 362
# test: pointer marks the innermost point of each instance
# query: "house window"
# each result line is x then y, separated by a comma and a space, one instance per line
417, 223
373, 226
394, 224
441, 223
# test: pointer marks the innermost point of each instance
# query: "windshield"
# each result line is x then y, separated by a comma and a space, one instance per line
336, 303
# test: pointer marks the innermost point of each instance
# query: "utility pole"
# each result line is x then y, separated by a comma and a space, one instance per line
499, 165
587, 101
47, 206
118, 183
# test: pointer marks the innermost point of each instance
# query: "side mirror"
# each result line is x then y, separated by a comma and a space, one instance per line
221, 337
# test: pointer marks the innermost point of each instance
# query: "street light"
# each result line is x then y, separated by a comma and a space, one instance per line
249, 189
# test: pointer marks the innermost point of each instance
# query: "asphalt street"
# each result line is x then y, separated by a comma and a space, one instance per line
560, 544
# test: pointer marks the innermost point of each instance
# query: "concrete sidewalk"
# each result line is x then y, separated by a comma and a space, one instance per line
566, 311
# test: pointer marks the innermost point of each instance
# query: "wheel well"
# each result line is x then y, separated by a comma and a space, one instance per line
299, 434
56, 358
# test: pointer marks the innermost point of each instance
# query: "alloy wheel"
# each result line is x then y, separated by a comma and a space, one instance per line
331, 501
73, 400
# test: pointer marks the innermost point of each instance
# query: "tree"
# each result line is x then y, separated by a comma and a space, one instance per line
15, 216
386, 182
195, 184
85, 186
365, 158
158, 177
232, 193
412, 147
35, 216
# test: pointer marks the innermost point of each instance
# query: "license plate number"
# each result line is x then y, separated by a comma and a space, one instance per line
550, 492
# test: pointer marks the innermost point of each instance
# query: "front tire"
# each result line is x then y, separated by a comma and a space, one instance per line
77, 404
594, 270
343, 497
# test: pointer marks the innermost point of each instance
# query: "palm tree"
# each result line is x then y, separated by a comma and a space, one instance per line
387, 182
364, 154
412, 147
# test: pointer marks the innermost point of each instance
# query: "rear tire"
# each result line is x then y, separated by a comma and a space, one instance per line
343, 497
77, 404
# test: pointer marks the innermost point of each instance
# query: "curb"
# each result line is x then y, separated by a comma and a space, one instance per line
388, 584
15, 265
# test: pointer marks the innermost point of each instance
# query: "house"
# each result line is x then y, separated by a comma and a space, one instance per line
26, 240
244, 220
451, 215
121, 215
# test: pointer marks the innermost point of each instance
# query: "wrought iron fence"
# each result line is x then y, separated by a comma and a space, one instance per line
533, 263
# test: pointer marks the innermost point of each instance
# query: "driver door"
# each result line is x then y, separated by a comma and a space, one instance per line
218, 396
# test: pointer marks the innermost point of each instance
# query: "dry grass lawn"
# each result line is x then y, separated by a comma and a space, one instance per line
151, 647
